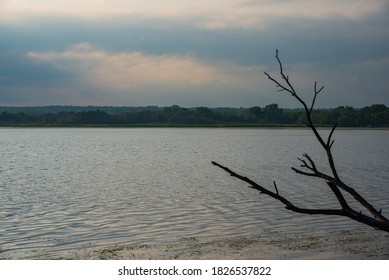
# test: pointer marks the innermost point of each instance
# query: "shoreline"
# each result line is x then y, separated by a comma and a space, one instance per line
356, 244
221, 126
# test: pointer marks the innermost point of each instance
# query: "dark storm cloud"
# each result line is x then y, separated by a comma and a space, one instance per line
18, 69
327, 40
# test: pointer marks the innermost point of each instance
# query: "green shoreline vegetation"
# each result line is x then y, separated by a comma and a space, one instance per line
374, 116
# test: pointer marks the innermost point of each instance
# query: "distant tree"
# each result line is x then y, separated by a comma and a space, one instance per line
309, 168
66, 118
348, 117
374, 115
379, 115
92, 117
6, 117
293, 117
203, 112
273, 114
256, 113
48, 118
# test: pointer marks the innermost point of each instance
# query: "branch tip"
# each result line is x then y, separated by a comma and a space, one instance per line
275, 186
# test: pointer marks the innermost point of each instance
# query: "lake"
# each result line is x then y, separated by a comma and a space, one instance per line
63, 188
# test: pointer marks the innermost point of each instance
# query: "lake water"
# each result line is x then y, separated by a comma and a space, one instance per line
63, 188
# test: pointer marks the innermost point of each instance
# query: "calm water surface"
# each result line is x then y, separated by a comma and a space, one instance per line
78, 187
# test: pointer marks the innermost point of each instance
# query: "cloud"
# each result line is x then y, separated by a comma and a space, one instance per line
193, 52
216, 14
129, 75
129, 70
360, 84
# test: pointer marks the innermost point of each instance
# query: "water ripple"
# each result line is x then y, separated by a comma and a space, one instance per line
71, 188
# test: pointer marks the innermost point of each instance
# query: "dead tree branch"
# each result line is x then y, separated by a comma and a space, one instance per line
308, 168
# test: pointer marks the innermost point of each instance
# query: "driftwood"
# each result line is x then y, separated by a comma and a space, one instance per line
308, 168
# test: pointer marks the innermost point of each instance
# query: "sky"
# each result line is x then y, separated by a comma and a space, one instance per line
192, 53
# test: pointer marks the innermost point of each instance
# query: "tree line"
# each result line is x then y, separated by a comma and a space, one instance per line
376, 115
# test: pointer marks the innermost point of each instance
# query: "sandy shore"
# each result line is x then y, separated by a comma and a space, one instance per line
323, 244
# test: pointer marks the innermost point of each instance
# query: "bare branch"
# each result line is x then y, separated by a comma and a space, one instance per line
298, 171
282, 88
275, 195
330, 135
334, 182
310, 161
345, 211
314, 97
338, 195
275, 186
327, 147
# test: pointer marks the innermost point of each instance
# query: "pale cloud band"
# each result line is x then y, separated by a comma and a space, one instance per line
209, 14
129, 73
131, 70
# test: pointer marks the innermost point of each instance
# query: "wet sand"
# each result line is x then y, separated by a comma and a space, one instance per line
322, 245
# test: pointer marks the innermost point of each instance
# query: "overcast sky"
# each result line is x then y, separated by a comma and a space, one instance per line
193, 52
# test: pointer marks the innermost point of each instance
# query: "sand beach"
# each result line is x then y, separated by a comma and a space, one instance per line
355, 244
